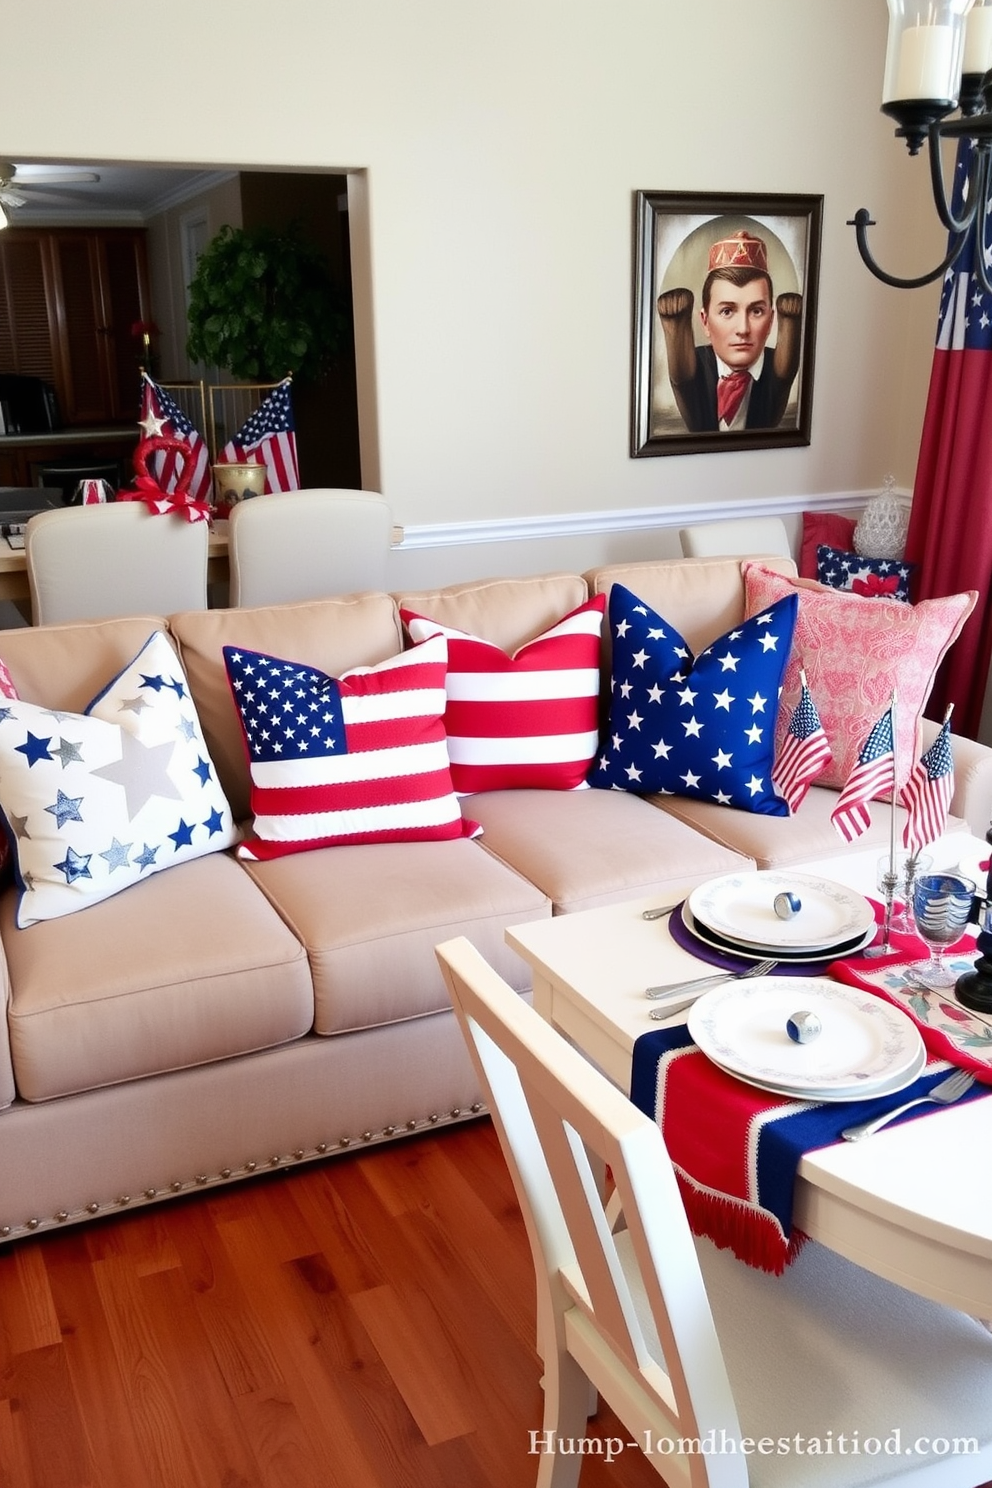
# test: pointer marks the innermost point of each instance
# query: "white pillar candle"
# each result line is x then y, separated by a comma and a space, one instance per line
923, 67
978, 40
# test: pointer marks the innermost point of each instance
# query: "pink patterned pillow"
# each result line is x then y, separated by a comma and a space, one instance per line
855, 651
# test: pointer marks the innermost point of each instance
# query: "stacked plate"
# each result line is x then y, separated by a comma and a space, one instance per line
866, 1047
736, 914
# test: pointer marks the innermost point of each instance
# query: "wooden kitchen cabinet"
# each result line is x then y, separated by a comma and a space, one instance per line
68, 300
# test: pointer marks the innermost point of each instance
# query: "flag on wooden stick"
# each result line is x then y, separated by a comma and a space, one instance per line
805, 751
928, 791
873, 774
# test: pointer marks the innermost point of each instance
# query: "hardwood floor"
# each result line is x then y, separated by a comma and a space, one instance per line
367, 1323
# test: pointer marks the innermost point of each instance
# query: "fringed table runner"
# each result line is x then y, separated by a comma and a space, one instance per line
736, 1149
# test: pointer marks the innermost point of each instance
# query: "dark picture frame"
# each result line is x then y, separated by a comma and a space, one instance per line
678, 238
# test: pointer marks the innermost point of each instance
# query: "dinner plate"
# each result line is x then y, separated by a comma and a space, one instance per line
853, 1093
864, 1041
759, 953
740, 906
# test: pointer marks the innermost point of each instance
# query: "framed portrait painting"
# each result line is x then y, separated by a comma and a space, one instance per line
725, 292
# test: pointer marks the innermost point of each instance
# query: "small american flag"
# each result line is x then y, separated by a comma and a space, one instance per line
359, 758
928, 791
804, 753
161, 414
873, 774
270, 436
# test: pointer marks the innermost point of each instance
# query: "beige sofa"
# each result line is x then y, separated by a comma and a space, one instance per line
226, 1017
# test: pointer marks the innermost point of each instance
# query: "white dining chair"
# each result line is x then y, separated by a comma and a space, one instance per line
738, 537
684, 1342
297, 545
94, 562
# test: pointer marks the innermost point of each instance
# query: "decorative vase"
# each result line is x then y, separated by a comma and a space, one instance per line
883, 525
234, 483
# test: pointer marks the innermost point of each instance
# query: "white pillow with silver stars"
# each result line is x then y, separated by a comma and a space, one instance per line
98, 801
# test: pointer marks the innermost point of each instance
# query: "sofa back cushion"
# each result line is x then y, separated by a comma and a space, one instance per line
702, 597
65, 666
505, 612
333, 635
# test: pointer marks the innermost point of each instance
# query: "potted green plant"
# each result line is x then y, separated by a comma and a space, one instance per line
263, 304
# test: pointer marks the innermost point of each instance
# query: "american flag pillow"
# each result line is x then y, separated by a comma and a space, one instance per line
527, 720
356, 758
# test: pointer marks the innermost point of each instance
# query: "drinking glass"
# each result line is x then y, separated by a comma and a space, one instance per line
942, 904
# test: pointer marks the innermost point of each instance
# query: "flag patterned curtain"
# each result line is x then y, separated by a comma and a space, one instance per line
950, 531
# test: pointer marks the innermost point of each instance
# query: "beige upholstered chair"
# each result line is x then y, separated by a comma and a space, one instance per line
296, 545
741, 537
94, 562
683, 1341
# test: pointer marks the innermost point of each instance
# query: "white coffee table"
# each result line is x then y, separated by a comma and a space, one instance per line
913, 1203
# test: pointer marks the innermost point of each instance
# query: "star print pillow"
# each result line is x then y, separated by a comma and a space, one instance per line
703, 726
876, 578
95, 802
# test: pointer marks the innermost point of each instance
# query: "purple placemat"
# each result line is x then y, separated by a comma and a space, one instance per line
727, 961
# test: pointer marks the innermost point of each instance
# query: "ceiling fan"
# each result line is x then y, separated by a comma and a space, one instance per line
17, 178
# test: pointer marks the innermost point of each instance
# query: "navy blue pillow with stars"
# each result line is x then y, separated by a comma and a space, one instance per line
700, 727
882, 578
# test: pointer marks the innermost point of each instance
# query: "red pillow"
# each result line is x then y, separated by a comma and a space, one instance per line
828, 528
7, 690
526, 721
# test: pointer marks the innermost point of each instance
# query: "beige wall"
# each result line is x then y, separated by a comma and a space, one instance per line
500, 143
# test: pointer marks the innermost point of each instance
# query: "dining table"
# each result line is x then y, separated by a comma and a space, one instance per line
912, 1203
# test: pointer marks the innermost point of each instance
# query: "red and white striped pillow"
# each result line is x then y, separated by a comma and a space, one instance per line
356, 758
524, 721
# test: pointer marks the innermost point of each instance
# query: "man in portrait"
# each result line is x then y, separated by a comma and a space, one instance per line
731, 381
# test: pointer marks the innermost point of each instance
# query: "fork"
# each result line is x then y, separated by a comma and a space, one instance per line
700, 984
944, 1094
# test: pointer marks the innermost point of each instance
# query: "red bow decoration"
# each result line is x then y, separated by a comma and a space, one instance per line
873, 586
147, 489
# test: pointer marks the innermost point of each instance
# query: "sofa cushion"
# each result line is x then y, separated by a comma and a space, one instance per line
373, 959
332, 634
875, 578
775, 841
702, 597
95, 802
591, 848
525, 719
144, 982
8, 1090
855, 652
505, 612
356, 758
699, 726
65, 666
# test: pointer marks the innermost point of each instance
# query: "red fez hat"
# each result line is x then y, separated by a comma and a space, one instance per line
741, 250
